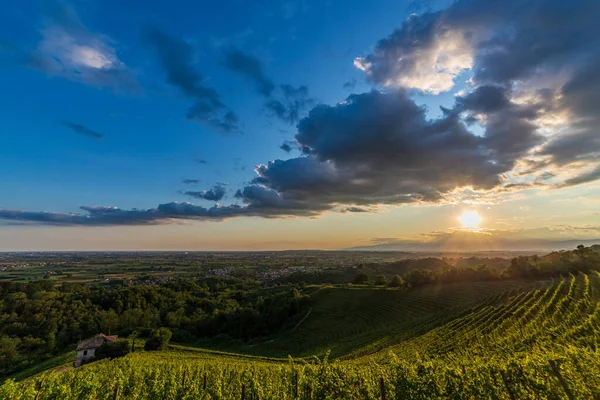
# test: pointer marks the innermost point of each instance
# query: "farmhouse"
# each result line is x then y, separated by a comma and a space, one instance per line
86, 349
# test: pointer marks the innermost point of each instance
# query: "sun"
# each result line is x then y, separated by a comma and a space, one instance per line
470, 219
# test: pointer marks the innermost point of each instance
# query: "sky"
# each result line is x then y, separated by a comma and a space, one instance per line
302, 124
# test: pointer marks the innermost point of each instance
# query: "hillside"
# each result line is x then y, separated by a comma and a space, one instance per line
496, 340
345, 320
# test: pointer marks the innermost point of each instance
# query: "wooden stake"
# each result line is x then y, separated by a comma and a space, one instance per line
116, 392
204, 384
296, 387
562, 381
505, 380
308, 392
382, 388
37, 396
243, 392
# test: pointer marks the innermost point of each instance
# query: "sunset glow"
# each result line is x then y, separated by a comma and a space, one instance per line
470, 219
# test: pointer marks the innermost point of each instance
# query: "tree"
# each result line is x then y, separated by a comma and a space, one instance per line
159, 339
419, 277
381, 280
8, 350
109, 321
361, 279
133, 336
396, 281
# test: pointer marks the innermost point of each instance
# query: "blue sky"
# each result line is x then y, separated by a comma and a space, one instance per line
149, 146
106, 104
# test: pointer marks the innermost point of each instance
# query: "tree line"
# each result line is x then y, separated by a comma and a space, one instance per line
555, 264
39, 319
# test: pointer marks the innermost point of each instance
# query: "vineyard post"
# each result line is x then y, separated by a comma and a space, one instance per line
183, 378
382, 388
116, 392
296, 387
308, 392
243, 391
37, 396
204, 382
562, 381
505, 380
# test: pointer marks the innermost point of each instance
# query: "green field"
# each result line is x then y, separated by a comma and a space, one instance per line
504, 340
349, 321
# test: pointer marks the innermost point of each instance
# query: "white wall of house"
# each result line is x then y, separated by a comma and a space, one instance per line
84, 356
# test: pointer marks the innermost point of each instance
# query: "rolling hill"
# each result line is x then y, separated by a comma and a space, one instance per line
489, 339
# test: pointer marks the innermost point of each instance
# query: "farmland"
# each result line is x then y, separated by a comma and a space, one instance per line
530, 329
520, 342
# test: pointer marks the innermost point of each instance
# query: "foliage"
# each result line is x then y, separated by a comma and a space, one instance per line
361, 279
396, 281
39, 319
523, 344
113, 350
159, 339
381, 280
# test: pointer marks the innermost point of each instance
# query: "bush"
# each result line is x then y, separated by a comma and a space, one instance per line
361, 279
381, 280
159, 339
113, 350
396, 281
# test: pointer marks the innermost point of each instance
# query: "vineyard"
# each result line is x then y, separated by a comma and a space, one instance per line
516, 342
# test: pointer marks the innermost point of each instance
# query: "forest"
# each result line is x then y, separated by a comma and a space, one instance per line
38, 319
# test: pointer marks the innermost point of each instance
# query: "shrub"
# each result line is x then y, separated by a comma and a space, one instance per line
159, 339
381, 280
396, 281
361, 279
113, 350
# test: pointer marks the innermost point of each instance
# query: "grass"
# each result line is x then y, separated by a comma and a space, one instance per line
59, 363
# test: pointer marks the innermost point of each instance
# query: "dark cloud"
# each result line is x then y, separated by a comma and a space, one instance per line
251, 68
82, 130
190, 181
107, 216
350, 85
510, 129
580, 99
201, 161
69, 49
287, 146
216, 193
501, 41
542, 52
374, 148
545, 176
177, 58
293, 102
355, 209
380, 148
285, 102
485, 99
585, 177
